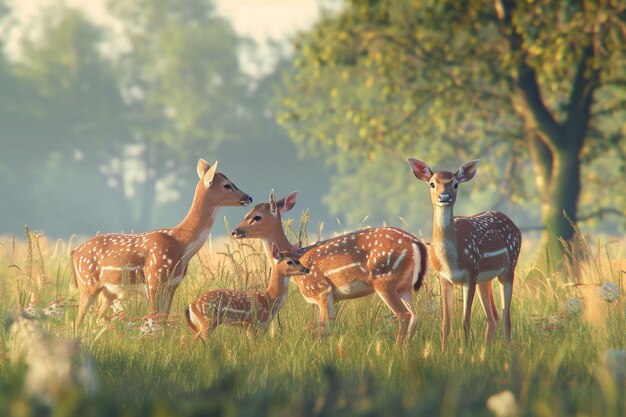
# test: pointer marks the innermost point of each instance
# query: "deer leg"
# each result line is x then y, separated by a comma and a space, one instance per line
485, 295
494, 308
469, 289
85, 301
506, 292
327, 313
109, 297
168, 297
447, 299
397, 306
407, 299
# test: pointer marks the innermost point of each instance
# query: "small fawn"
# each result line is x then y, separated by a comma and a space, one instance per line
470, 251
158, 258
251, 309
384, 260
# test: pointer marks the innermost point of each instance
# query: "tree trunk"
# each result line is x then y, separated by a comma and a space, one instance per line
555, 145
559, 203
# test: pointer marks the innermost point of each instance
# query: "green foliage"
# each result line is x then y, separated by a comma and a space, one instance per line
181, 75
448, 81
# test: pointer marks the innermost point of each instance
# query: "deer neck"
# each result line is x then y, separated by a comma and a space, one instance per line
277, 289
194, 229
277, 237
444, 237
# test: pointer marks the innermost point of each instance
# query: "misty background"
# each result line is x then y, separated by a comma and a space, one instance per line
106, 106
104, 113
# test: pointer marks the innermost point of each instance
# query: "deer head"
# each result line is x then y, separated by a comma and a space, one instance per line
286, 263
218, 187
265, 218
443, 184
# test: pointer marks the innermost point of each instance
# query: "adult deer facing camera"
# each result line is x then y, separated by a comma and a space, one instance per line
245, 308
384, 260
470, 251
158, 258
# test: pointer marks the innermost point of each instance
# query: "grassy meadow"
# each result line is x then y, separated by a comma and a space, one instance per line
567, 358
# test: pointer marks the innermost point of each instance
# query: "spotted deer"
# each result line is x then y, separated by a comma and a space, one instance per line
470, 251
384, 260
254, 309
157, 259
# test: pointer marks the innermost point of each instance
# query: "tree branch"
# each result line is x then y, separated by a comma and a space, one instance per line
601, 212
526, 81
581, 99
598, 213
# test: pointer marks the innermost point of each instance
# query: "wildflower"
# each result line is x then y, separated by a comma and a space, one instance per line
608, 291
117, 306
32, 310
573, 306
149, 327
57, 308
503, 404
54, 365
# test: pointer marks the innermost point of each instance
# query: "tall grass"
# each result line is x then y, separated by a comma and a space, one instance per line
553, 367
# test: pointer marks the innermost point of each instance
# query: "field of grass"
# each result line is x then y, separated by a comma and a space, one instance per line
564, 360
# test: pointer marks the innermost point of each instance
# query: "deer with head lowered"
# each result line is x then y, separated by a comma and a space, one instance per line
158, 258
470, 251
251, 309
384, 260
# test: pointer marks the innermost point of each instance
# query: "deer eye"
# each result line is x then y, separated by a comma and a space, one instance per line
432, 185
456, 185
256, 218
227, 186
289, 262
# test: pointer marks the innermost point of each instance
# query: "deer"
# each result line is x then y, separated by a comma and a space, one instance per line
157, 259
385, 260
470, 251
250, 309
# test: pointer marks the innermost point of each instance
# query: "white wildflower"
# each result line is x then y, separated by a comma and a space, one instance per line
117, 306
53, 309
608, 291
32, 310
503, 404
574, 306
52, 366
149, 327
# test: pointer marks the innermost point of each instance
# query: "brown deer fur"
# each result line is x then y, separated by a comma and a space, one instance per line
384, 260
158, 258
470, 251
248, 309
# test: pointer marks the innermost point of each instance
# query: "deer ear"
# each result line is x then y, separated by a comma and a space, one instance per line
467, 171
202, 167
295, 248
421, 170
208, 176
288, 202
275, 251
272, 201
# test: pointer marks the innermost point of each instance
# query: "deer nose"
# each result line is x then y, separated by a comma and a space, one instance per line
238, 233
445, 197
246, 200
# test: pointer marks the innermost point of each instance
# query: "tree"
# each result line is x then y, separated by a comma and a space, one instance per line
184, 88
506, 78
61, 117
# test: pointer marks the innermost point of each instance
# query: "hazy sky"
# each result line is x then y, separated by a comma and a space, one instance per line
261, 20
